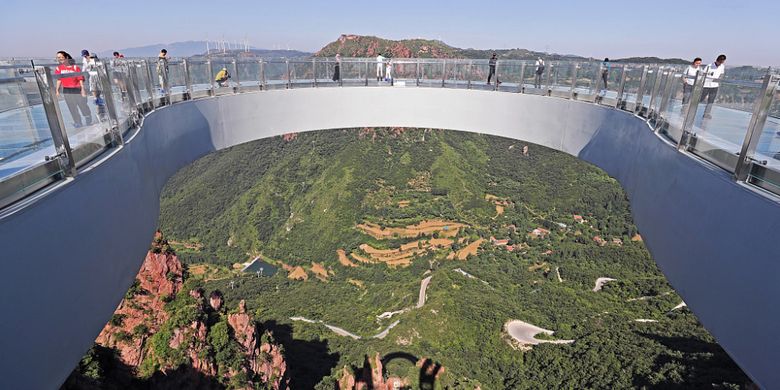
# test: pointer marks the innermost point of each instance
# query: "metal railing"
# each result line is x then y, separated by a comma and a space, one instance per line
47, 134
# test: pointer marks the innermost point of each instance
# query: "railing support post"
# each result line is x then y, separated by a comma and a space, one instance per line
689, 110
314, 70
572, 93
620, 101
149, 84
521, 84
547, 80
287, 69
417, 71
263, 85
210, 69
187, 80
108, 98
656, 88
368, 69
443, 72
235, 74
756, 126
640, 93
48, 89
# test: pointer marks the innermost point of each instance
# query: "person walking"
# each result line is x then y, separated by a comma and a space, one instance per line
492, 70
539, 72
688, 79
162, 70
72, 89
94, 86
714, 72
337, 68
380, 67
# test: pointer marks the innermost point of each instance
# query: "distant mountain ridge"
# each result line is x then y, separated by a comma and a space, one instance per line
350, 45
198, 48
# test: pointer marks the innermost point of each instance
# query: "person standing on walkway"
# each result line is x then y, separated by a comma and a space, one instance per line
162, 70
380, 67
605, 68
688, 78
72, 89
120, 72
337, 68
539, 72
492, 66
714, 72
389, 71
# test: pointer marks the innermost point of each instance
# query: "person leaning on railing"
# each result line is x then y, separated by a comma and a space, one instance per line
688, 78
715, 71
72, 89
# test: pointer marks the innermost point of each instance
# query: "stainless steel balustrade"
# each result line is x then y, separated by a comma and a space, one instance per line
131, 88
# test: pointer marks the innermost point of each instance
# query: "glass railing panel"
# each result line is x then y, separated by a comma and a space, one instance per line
767, 151
85, 115
561, 79
431, 73
355, 71
631, 86
276, 74
176, 80
585, 87
670, 106
117, 72
510, 76
248, 74
138, 69
403, 71
455, 74
533, 81
723, 117
302, 73
647, 91
200, 78
226, 86
608, 83
324, 69
25, 139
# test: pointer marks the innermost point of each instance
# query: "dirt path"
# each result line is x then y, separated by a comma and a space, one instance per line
558, 272
423, 287
600, 283
524, 333
334, 329
384, 333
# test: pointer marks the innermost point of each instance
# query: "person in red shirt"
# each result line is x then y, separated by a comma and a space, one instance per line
72, 89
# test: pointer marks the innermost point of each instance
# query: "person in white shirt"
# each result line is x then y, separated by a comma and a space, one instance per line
389, 72
380, 67
539, 72
688, 78
715, 72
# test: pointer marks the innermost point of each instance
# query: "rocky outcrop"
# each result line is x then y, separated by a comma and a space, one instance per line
371, 375
142, 317
142, 312
264, 358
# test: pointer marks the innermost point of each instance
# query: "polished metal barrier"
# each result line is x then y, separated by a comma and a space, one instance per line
736, 128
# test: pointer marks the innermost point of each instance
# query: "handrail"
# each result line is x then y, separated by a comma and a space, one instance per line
133, 87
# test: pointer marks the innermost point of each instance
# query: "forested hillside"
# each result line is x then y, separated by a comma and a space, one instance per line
431, 242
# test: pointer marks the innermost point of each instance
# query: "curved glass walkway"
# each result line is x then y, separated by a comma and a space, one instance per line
41, 143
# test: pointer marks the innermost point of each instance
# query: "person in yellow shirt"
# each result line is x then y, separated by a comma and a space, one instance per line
222, 77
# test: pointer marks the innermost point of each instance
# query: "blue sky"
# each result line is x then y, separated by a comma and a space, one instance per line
747, 31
